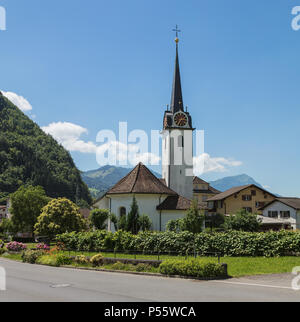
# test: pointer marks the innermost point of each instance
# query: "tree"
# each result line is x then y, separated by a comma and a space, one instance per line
7, 227
114, 220
122, 223
214, 221
194, 219
243, 221
59, 216
145, 223
27, 203
133, 225
176, 225
98, 218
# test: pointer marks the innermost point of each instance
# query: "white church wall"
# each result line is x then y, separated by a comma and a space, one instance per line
102, 203
147, 205
167, 215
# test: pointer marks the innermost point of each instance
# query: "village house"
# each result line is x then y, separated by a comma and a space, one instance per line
203, 190
249, 197
283, 210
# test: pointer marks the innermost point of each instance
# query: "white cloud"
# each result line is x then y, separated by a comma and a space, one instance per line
18, 100
205, 163
118, 153
68, 135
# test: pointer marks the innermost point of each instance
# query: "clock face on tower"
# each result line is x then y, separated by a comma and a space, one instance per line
180, 119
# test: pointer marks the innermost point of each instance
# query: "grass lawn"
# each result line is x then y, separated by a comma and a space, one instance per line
241, 266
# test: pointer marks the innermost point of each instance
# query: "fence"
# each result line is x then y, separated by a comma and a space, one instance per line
136, 254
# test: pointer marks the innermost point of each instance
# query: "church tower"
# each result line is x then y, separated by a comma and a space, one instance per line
177, 142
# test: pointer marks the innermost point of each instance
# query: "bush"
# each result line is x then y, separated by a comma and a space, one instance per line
31, 256
231, 243
81, 259
143, 267
42, 246
47, 260
15, 246
97, 260
59, 216
98, 218
62, 259
3, 250
118, 266
243, 221
193, 268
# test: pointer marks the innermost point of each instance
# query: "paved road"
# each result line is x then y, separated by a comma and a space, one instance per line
27, 282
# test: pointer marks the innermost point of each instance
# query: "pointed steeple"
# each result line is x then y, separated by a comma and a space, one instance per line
176, 99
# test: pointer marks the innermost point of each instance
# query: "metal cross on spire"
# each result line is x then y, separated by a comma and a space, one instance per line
176, 30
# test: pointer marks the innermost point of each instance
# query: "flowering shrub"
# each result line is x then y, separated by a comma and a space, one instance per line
15, 246
81, 259
42, 246
54, 250
31, 256
97, 260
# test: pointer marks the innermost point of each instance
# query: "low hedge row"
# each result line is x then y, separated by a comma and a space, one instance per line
231, 243
193, 268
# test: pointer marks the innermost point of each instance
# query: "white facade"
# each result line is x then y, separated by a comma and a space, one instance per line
279, 208
177, 160
147, 204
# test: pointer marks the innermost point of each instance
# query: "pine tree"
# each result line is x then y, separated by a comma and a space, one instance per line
133, 224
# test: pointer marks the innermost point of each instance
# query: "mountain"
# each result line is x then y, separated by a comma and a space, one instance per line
29, 156
102, 179
230, 182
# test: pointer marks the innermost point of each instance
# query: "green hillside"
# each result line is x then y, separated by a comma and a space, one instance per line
29, 156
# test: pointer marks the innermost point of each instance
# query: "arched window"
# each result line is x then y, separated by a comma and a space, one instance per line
122, 212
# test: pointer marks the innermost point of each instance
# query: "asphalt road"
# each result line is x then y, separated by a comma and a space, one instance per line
34, 283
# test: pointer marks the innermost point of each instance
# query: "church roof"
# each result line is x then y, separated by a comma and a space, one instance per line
178, 203
176, 98
140, 180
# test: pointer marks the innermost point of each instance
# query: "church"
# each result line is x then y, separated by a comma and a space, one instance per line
170, 197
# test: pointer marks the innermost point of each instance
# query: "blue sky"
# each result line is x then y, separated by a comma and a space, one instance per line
94, 63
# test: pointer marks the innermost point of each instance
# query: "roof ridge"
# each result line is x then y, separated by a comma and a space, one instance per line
137, 175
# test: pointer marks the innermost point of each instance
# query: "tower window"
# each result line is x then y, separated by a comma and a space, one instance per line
181, 141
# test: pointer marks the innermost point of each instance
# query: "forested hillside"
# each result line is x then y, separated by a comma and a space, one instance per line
29, 156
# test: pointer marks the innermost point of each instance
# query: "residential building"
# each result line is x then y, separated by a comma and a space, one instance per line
203, 190
249, 197
286, 210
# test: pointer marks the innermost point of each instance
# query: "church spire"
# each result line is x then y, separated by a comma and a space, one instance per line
176, 99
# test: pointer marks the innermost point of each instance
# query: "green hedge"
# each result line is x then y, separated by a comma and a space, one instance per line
193, 268
231, 243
